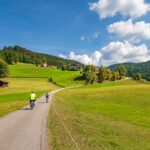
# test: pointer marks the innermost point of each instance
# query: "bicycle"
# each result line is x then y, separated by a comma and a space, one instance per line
47, 97
32, 104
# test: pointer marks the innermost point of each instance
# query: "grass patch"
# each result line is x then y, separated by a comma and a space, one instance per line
63, 78
16, 95
25, 78
107, 116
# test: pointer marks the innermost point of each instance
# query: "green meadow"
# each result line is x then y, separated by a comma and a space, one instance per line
16, 95
24, 78
63, 78
108, 116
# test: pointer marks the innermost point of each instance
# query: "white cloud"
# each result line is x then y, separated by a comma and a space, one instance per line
133, 32
114, 52
82, 38
118, 52
62, 56
85, 59
96, 57
128, 8
93, 36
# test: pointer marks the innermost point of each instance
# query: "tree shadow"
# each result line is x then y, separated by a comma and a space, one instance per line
79, 78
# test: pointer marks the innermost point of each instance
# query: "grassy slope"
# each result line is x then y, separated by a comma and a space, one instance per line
64, 78
108, 116
16, 94
26, 78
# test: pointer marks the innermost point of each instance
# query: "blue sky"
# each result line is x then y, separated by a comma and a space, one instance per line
70, 28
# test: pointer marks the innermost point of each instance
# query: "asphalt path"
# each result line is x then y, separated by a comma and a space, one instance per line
26, 129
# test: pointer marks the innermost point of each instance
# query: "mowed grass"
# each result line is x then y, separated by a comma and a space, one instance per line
108, 116
24, 78
16, 95
63, 78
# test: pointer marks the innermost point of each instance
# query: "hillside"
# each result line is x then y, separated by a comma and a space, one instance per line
16, 95
132, 68
63, 78
19, 54
112, 116
24, 78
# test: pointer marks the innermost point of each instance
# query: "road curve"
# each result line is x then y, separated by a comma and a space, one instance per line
26, 129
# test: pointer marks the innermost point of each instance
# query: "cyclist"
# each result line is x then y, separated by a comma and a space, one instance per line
32, 99
47, 97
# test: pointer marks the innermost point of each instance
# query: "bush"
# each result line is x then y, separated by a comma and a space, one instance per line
122, 71
72, 68
115, 76
63, 68
90, 74
104, 74
3, 84
50, 79
137, 76
3, 69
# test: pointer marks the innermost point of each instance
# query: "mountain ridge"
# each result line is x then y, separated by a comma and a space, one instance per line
132, 68
13, 54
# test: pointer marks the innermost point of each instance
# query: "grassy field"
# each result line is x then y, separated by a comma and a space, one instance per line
24, 78
109, 116
16, 95
64, 78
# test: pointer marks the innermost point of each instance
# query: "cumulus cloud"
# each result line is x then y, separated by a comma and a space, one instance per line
118, 52
134, 32
85, 59
93, 36
128, 8
114, 52
62, 56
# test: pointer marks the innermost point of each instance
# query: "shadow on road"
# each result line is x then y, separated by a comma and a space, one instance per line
42, 102
25, 109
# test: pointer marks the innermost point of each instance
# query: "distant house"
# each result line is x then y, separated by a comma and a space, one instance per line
44, 65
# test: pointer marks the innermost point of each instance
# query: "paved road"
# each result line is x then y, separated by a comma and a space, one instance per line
26, 129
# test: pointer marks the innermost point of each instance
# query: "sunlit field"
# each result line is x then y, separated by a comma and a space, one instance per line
24, 78
106, 116
63, 78
16, 95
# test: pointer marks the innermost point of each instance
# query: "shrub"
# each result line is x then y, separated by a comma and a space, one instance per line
137, 76
90, 74
122, 71
3, 84
50, 79
3, 69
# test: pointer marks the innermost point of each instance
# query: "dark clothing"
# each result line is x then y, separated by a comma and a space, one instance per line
47, 96
32, 101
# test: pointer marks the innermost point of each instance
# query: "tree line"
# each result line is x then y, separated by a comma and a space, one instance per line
101, 74
142, 70
14, 54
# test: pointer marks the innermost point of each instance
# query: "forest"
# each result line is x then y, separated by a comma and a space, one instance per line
14, 54
133, 68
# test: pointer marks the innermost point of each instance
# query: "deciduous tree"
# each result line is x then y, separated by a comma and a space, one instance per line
3, 69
